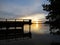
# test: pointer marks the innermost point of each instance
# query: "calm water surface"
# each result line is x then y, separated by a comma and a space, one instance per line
40, 36
37, 28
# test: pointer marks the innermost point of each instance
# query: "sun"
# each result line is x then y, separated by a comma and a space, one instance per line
35, 17
35, 20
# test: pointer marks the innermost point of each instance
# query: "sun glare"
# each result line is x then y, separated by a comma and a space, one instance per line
36, 21
35, 18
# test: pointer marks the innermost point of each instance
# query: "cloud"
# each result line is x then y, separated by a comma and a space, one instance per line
14, 10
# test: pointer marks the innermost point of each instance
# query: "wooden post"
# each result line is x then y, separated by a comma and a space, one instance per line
30, 31
29, 25
23, 26
29, 28
15, 29
6, 29
15, 24
6, 25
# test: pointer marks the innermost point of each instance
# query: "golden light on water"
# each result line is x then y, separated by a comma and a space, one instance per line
35, 28
37, 24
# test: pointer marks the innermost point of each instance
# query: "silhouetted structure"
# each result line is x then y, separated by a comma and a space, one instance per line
10, 29
54, 14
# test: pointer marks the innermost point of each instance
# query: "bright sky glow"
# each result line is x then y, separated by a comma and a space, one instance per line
35, 17
32, 9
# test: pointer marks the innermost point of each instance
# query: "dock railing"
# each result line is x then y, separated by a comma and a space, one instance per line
6, 24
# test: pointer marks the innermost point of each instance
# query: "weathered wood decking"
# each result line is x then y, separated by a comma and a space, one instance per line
8, 33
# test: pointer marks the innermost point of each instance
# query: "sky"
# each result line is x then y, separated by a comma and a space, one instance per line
21, 8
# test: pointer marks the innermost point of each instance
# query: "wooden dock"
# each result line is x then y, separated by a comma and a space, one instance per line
9, 30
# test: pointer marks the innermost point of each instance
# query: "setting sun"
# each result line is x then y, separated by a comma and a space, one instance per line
35, 18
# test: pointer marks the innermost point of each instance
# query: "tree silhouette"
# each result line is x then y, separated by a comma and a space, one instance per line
54, 14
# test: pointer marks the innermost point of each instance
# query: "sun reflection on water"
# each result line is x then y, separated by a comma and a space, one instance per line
35, 28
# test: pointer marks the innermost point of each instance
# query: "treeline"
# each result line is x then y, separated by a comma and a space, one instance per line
54, 14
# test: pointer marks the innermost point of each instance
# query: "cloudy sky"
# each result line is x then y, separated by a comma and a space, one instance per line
19, 8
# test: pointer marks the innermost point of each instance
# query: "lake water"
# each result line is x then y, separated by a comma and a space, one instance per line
40, 36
